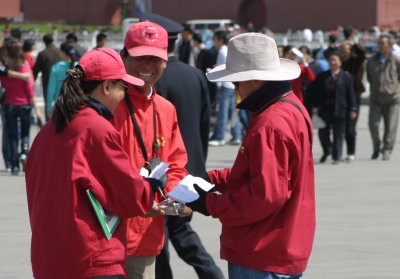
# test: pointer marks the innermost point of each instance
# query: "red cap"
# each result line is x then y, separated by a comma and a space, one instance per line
147, 38
105, 64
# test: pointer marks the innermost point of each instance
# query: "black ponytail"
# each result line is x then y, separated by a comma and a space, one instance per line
74, 95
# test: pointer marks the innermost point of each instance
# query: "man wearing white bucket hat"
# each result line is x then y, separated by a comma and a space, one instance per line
267, 198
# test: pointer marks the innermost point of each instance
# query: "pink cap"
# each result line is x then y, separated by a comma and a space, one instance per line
105, 64
147, 38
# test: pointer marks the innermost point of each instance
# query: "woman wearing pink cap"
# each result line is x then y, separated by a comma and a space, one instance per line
79, 149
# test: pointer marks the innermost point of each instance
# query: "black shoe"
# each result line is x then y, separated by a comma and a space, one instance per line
15, 171
375, 155
323, 158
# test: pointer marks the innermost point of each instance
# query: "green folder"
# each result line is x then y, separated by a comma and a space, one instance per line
108, 221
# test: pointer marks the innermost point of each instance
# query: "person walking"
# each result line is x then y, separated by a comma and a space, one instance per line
333, 96
6, 72
101, 40
226, 100
186, 88
44, 61
72, 39
267, 199
383, 74
19, 100
149, 129
67, 239
58, 74
353, 58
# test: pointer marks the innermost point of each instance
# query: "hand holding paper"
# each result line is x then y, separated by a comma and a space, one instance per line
185, 192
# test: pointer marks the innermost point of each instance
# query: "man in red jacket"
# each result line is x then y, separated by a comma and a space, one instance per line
156, 134
267, 198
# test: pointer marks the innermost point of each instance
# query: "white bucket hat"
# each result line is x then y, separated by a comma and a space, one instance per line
254, 56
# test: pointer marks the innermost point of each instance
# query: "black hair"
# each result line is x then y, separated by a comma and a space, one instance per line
73, 96
347, 32
306, 49
197, 38
187, 28
286, 49
221, 35
70, 51
71, 37
124, 52
332, 38
28, 45
16, 33
47, 39
335, 52
101, 36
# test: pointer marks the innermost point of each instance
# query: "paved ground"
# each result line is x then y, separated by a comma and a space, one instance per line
358, 227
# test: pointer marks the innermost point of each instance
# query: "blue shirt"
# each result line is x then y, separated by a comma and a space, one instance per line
58, 74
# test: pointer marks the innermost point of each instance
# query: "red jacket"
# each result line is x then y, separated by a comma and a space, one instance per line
146, 235
297, 84
268, 198
67, 240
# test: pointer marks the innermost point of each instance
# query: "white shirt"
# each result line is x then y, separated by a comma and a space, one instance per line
221, 59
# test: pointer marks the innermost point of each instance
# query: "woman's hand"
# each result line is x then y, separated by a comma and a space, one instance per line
154, 211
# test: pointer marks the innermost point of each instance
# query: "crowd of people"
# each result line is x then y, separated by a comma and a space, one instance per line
165, 97
333, 78
18, 98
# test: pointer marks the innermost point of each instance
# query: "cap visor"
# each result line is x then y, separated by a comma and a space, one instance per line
289, 70
132, 80
148, 51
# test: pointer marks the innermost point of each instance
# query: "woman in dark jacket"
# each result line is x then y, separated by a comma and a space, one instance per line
333, 94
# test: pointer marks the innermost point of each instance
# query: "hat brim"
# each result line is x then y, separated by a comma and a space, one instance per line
148, 51
288, 70
132, 80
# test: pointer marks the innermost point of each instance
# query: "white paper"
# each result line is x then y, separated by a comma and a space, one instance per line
184, 192
144, 172
159, 170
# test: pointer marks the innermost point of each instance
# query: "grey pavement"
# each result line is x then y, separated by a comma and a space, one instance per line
358, 224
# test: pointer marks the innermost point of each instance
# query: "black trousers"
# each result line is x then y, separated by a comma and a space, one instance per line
188, 247
337, 125
351, 130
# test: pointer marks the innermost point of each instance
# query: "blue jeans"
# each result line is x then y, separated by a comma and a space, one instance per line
13, 115
238, 272
226, 107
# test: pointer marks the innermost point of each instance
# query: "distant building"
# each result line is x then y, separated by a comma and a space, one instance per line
9, 9
279, 16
